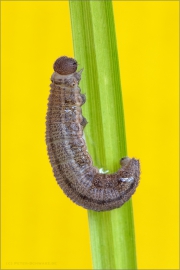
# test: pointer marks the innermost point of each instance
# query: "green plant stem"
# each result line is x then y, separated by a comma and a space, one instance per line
94, 39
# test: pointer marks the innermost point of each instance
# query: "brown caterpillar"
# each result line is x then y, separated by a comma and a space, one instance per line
72, 165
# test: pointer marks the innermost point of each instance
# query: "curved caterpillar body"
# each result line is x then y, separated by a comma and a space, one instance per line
72, 165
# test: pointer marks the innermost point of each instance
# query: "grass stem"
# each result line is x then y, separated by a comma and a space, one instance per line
94, 40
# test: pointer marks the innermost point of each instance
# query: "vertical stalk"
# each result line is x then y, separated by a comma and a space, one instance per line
94, 39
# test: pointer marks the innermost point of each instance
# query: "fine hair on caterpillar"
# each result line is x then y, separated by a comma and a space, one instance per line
72, 165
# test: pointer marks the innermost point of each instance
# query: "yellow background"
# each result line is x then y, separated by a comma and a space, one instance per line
41, 228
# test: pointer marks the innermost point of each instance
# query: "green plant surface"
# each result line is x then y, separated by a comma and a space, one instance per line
95, 49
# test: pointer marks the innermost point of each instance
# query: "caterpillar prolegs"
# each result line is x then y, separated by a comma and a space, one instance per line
71, 163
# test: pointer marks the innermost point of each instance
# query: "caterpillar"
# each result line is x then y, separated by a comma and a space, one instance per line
72, 165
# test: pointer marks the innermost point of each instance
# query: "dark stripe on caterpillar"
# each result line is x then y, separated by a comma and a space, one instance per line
72, 165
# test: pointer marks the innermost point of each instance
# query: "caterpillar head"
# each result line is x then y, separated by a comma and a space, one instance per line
65, 65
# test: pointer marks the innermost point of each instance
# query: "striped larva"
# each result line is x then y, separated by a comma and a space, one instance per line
71, 163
